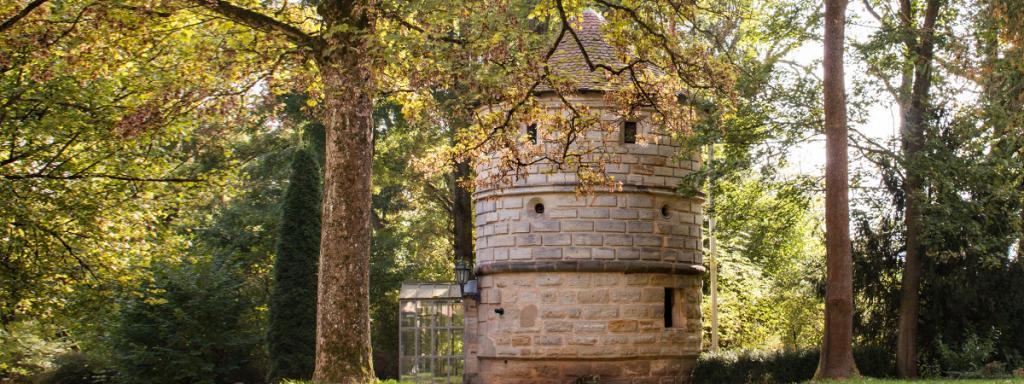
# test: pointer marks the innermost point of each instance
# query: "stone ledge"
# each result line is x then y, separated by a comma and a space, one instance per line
571, 188
625, 266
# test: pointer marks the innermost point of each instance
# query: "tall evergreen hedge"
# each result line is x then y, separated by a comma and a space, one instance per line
292, 330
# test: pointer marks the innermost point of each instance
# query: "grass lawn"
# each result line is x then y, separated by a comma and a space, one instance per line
963, 381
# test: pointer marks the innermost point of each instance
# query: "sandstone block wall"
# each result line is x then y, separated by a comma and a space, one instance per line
579, 285
654, 161
621, 226
581, 324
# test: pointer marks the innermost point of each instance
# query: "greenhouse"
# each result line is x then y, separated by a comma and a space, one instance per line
430, 333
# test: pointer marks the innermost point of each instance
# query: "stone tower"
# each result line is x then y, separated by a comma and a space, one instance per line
576, 286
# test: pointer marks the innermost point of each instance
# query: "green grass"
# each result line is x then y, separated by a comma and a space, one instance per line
389, 381
957, 381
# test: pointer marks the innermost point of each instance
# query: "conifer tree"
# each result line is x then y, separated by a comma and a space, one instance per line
291, 338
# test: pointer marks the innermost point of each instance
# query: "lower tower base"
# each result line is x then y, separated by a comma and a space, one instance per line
585, 327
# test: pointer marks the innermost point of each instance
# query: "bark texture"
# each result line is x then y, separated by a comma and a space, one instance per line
920, 44
343, 323
836, 361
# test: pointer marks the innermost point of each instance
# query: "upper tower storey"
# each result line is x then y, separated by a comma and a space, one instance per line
634, 218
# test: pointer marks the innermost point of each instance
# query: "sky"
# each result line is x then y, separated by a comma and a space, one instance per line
882, 116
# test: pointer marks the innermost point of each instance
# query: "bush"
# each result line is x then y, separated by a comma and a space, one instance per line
875, 361
388, 381
194, 323
756, 367
26, 349
77, 368
976, 357
771, 367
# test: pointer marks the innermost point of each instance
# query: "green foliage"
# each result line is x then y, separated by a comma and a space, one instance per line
777, 102
769, 259
971, 356
77, 368
782, 366
970, 283
103, 151
291, 338
756, 367
970, 165
959, 302
953, 381
388, 381
191, 323
411, 239
26, 348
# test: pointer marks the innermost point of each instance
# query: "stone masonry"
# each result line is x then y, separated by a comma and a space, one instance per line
561, 326
578, 288
603, 285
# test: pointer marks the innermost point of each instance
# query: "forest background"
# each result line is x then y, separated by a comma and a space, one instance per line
146, 158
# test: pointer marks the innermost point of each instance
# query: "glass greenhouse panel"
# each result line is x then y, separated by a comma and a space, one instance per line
430, 333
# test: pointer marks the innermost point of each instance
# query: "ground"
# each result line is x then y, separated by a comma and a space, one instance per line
977, 381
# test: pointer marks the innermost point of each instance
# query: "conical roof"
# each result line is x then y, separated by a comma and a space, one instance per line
568, 62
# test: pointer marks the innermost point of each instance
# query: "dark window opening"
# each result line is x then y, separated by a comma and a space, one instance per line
669, 301
665, 212
539, 208
629, 132
531, 132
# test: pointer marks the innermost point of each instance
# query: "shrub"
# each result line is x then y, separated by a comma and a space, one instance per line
770, 367
875, 361
974, 353
27, 348
77, 368
756, 367
388, 381
975, 357
192, 324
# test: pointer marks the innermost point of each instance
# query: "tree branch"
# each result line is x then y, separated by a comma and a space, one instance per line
872, 12
102, 176
409, 25
21, 14
261, 22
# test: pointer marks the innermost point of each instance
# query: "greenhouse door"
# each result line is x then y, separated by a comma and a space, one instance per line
430, 333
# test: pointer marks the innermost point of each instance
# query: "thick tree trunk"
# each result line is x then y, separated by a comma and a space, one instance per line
836, 361
912, 137
343, 323
462, 213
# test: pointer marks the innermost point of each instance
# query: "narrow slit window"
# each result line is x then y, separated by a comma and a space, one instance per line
669, 302
531, 133
629, 132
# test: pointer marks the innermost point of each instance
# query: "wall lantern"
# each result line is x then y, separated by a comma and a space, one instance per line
461, 274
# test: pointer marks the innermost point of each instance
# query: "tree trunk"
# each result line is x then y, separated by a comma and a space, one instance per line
343, 323
836, 361
912, 137
462, 213
1020, 239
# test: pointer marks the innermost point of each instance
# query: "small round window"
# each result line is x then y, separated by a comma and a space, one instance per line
538, 208
665, 211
